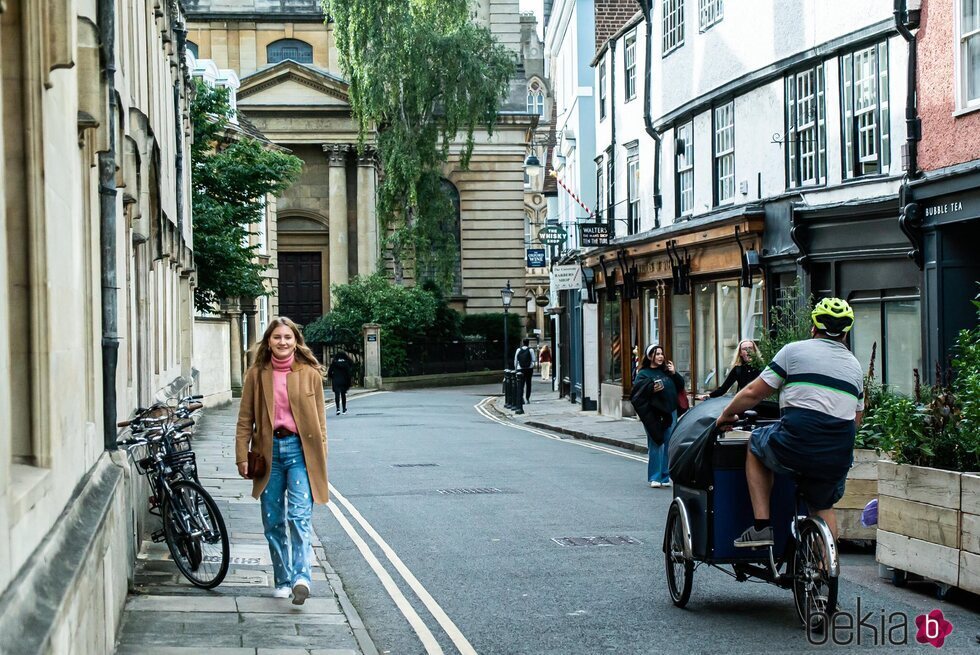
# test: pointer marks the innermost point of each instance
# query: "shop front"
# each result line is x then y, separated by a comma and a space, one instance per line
857, 251
696, 288
943, 226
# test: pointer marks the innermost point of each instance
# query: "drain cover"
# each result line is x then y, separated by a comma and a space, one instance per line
408, 466
475, 490
618, 540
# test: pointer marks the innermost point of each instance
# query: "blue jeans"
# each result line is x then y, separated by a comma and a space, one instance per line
288, 500
657, 470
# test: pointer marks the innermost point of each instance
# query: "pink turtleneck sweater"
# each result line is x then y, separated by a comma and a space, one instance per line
283, 414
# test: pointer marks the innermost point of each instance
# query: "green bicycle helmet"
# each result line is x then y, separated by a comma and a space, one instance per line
833, 316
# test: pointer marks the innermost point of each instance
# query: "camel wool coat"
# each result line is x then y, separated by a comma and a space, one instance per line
305, 386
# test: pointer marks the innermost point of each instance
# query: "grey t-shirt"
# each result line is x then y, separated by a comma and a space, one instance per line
820, 375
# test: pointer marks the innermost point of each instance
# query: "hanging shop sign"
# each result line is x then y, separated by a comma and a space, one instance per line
567, 277
542, 300
535, 257
552, 235
594, 234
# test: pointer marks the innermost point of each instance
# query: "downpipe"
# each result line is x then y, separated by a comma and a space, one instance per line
107, 230
909, 219
647, 7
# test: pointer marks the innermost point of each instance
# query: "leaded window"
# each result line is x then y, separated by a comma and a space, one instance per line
806, 128
724, 117
602, 90
709, 13
865, 116
673, 25
685, 169
535, 98
633, 192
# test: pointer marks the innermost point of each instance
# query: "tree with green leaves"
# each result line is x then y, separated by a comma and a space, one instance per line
422, 77
232, 174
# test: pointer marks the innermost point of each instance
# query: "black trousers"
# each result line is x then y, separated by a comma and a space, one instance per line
528, 377
340, 400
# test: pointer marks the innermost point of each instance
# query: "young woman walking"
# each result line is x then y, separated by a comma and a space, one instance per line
667, 385
282, 419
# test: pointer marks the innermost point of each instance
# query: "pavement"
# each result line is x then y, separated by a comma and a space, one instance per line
166, 615
548, 412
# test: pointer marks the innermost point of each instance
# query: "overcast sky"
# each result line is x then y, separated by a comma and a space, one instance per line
537, 6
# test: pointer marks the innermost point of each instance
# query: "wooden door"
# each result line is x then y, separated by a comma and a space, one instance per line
301, 286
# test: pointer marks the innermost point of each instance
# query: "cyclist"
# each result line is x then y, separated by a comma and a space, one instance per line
821, 400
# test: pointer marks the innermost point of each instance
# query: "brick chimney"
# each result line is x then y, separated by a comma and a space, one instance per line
610, 16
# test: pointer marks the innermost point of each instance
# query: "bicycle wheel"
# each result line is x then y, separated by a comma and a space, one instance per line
814, 589
680, 570
196, 534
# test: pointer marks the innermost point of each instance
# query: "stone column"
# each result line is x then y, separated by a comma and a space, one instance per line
367, 216
232, 311
337, 158
372, 355
250, 310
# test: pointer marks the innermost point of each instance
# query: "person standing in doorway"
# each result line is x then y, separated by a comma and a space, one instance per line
281, 417
743, 371
667, 385
339, 373
544, 356
524, 362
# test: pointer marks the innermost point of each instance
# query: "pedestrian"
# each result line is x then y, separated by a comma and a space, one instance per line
667, 386
339, 373
544, 356
742, 373
281, 418
524, 361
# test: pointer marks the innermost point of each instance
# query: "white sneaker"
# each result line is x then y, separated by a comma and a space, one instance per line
301, 591
655, 485
281, 592
338, 412
665, 484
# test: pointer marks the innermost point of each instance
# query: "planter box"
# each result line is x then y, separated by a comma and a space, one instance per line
861, 487
919, 520
970, 532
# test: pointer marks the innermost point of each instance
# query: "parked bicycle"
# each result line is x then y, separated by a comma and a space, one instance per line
193, 527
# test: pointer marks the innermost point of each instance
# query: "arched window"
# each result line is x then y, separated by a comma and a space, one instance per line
535, 98
450, 189
294, 49
192, 48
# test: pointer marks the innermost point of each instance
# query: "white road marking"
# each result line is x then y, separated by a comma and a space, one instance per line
486, 413
418, 625
452, 631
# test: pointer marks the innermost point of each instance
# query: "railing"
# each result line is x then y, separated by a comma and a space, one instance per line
443, 357
326, 351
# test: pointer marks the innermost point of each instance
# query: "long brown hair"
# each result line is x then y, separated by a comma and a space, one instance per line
647, 361
262, 354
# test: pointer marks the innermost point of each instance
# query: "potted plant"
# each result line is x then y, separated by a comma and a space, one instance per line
929, 493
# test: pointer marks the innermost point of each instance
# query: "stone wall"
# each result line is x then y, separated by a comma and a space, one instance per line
212, 359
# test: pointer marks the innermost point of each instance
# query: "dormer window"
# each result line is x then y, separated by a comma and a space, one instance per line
293, 49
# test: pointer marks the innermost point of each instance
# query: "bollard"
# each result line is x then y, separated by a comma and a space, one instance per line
503, 388
508, 389
519, 392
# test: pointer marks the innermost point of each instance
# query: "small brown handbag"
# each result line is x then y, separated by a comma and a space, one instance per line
256, 465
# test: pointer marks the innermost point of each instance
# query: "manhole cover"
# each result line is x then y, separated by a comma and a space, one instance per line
409, 466
474, 490
597, 541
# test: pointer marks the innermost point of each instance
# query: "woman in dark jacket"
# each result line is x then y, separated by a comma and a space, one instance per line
742, 373
339, 373
667, 384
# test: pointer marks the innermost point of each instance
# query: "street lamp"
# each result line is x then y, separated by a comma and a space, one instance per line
532, 165
506, 296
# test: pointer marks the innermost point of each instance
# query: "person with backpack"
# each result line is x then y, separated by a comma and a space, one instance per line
524, 362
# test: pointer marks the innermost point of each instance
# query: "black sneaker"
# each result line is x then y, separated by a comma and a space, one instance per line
753, 538
345, 410
338, 412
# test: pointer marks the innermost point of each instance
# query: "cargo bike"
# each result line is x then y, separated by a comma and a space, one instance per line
711, 507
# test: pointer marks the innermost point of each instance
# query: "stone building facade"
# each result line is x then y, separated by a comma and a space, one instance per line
327, 228
96, 269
